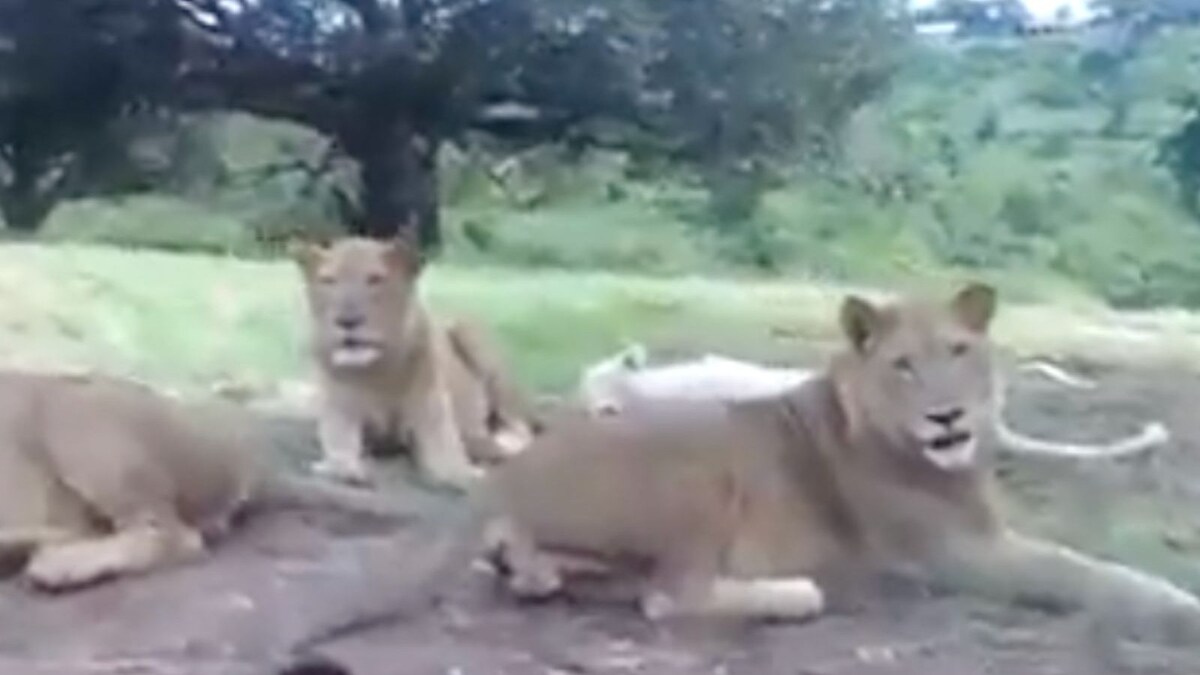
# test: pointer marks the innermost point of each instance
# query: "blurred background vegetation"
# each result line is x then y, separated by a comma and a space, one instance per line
1066, 158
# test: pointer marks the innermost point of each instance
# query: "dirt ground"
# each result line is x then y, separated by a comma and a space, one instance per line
238, 612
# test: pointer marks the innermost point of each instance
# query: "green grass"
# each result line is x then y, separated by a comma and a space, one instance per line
147, 221
186, 320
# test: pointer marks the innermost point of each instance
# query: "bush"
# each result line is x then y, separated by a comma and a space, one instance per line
149, 222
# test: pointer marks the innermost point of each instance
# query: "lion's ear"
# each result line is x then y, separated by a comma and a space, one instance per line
634, 357
975, 306
860, 321
307, 252
404, 249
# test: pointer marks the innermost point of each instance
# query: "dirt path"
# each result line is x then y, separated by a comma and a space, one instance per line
235, 613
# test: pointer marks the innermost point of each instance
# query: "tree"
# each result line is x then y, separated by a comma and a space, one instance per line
1179, 153
1131, 25
750, 83
59, 87
76, 117
727, 84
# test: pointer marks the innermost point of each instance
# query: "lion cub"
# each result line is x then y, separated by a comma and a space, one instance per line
744, 508
389, 372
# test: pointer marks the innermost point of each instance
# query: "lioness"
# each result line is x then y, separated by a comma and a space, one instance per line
626, 379
388, 370
738, 508
102, 477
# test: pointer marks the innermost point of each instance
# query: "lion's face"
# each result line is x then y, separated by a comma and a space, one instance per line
359, 293
921, 374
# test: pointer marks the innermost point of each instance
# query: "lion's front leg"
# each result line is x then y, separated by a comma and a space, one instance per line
691, 580
1012, 567
440, 453
788, 599
342, 451
139, 548
21, 540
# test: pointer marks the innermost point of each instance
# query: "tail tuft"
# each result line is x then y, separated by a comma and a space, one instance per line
314, 665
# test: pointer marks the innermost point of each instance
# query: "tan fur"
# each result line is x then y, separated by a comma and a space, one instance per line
102, 477
740, 508
391, 371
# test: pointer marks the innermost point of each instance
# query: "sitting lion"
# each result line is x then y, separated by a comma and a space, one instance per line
746, 508
102, 477
390, 372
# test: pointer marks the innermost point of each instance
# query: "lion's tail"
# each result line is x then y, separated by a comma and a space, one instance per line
403, 578
289, 491
1152, 434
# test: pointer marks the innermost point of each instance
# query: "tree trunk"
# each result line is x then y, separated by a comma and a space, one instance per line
24, 215
24, 206
399, 188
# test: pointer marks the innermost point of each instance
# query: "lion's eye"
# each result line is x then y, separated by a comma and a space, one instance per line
326, 279
903, 364
958, 348
374, 279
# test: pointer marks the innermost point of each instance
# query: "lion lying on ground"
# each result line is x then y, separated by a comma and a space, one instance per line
760, 508
102, 477
625, 379
389, 371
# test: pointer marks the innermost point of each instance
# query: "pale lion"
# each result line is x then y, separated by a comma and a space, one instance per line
389, 371
753, 509
626, 379
103, 477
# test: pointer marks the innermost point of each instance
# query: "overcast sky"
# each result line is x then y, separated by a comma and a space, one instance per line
1042, 9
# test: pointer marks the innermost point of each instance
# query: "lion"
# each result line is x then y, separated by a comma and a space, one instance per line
102, 477
625, 379
390, 372
759, 509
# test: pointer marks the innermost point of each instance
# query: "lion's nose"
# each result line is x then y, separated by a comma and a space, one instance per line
348, 321
945, 416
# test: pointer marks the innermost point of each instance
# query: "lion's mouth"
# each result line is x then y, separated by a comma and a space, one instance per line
949, 441
355, 342
951, 451
353, 351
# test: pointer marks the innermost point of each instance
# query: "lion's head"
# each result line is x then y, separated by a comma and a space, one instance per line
919, 374
601, 385
359, 294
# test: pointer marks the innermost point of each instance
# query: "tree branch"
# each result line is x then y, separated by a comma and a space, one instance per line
374, 18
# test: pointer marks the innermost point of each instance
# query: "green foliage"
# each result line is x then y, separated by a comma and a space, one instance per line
974, 162
148, 222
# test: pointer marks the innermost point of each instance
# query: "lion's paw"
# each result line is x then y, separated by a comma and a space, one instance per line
513, 439
657, 605
462, 479
61, 569
536, 582
344, 471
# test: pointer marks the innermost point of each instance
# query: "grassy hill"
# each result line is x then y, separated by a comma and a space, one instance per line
189, 320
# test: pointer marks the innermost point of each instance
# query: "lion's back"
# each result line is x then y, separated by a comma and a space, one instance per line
627, 483
31, 490
105, 435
